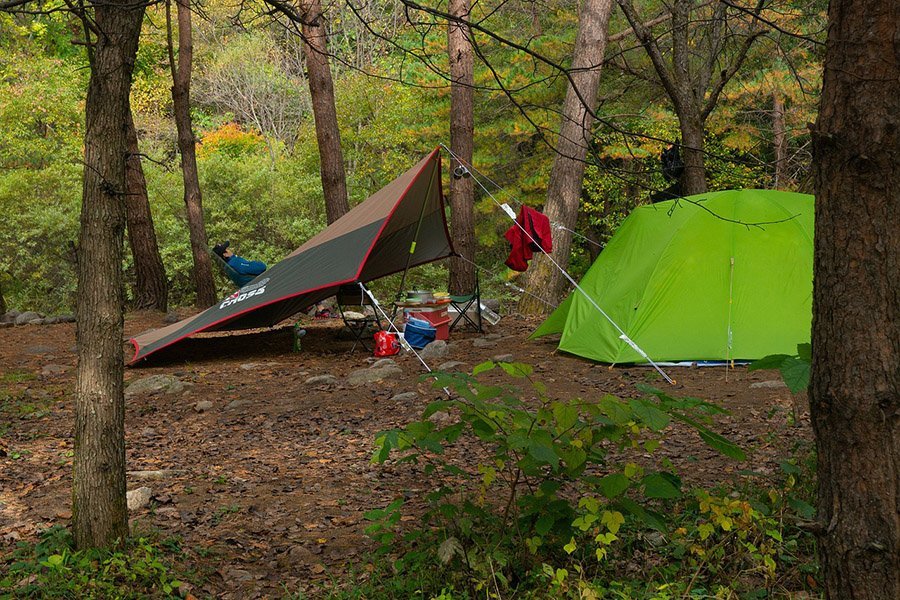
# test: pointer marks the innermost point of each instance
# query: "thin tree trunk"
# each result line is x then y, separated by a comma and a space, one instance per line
693, 180
544, 282
779, 139
3, 308
462, 134
193, 201
855, 380
100, 515
150, 290
321, 91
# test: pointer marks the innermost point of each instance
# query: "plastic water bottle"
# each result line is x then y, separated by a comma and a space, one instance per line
299, 332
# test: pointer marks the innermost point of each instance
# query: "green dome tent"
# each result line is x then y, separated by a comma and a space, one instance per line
696, 280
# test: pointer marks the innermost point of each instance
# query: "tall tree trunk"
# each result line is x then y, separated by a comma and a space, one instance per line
779, 139
150, 290
462, 142
544, 283
3, 308
321, 91
693, 180
193, 201
855, 380
98, 489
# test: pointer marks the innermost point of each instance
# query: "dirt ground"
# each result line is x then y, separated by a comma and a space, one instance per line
267, 488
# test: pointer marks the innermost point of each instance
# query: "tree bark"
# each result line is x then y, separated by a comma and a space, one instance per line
3, 308
462, 143
193, 201
544, 282
779, 140
98, 490
150, 289
855, 379
693, 180
321, 91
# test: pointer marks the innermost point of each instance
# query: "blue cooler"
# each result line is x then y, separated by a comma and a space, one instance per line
419, 333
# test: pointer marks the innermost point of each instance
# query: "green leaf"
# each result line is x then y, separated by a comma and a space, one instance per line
544, 524
615, 409
419, 429
485, 366
566, 415
804, 509
573, 457
649, 414
482, 428
772, 361
614, 484
649, 518
721, 444
804, 352
661, 485
789, 468
795, 372
544, 453
440, 405
517, 369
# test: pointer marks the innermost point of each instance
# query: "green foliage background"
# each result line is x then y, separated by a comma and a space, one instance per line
261, 186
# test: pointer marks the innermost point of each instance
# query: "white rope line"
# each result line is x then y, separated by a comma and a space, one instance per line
575, 233
622, 335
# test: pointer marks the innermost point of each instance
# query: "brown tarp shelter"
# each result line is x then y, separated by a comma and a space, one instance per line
400, 226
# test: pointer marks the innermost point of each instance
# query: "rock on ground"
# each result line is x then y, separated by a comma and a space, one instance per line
436, 349
27, 317
774, 383
155, 384
450, 365
139, 498
373, 375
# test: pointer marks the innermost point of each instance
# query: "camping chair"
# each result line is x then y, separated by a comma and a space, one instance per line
463, 303
350, 299
235, 277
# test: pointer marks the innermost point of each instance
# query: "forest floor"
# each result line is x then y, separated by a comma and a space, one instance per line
267, 487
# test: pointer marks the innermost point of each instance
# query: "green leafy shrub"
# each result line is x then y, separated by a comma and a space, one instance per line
547, 489
52, 568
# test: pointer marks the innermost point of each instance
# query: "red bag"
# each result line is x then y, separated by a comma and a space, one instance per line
386, 344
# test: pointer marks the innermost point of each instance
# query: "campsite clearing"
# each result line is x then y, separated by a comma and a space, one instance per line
260, 462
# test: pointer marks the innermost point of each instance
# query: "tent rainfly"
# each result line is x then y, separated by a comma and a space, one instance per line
400, 226
690, 281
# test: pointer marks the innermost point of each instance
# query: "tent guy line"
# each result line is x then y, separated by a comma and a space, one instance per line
622, 335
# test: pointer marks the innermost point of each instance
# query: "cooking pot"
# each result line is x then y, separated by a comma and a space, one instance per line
422, 295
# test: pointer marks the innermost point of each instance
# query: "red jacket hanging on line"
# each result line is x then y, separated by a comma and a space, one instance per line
537, 225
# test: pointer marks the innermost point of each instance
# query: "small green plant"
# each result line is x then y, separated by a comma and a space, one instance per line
52, 568
224, 511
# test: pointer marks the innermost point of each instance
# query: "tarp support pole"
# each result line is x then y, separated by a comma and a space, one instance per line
412, 246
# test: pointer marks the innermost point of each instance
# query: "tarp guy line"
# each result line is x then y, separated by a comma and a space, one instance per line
623, 336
